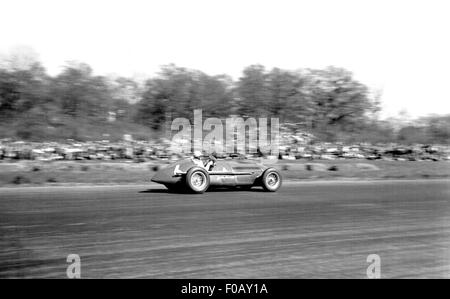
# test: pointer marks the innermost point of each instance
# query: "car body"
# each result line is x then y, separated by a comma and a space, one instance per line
186, 175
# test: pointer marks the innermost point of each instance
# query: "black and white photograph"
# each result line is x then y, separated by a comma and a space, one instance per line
224, 144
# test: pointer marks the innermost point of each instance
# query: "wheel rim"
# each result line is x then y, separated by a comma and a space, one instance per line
198, 180
272, 180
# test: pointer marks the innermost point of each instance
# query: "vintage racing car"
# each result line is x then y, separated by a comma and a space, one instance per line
186, 175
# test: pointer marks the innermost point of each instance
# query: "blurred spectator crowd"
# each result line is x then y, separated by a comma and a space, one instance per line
292, 147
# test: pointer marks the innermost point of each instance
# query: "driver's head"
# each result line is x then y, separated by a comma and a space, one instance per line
197, 154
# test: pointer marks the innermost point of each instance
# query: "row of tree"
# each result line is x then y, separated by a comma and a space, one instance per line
315, 98
327, 102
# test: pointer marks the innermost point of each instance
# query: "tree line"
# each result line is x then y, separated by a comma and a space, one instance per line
76, 102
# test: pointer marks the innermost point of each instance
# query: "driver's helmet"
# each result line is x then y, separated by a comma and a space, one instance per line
197, 154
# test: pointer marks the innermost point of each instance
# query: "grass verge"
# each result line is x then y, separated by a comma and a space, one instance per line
56, 173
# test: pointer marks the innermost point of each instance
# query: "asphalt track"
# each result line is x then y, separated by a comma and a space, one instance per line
306, 230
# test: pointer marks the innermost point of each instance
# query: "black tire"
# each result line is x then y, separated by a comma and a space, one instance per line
197, 180
271, 180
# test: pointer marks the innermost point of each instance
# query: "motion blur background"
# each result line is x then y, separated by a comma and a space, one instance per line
344, 73
361, 90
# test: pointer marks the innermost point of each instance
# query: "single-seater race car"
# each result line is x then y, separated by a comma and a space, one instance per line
186, 175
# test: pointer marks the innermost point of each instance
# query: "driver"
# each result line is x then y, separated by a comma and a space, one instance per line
211, 162
196, 158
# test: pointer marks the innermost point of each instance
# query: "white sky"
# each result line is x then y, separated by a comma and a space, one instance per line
400, 47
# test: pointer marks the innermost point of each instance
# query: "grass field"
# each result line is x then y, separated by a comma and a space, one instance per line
363, 169
55, 173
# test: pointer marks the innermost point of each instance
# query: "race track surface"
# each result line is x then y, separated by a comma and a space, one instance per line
306, 230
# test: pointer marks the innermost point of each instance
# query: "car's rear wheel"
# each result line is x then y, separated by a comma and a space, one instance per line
197, 180
271, 180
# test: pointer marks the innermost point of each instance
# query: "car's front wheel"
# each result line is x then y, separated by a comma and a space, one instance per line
197, 180
271, 180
